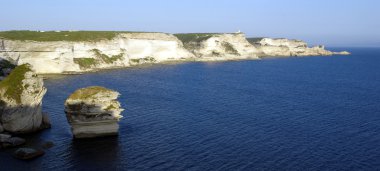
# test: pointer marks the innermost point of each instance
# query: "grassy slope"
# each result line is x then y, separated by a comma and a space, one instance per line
12, 85
229, 48
89, 35
61, 36
88, 92
87, 63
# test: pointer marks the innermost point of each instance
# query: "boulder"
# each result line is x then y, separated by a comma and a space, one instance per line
4, 137
13, 142
27, 153
7, 140
93, 112
21, 96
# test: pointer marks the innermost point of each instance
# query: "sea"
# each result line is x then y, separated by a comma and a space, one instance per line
296, 113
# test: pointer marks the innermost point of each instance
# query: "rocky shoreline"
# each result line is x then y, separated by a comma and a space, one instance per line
94, 111
54, 56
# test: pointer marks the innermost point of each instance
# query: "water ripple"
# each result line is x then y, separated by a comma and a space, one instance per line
278, 114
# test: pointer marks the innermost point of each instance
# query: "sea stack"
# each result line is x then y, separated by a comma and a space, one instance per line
21, 94
93, 112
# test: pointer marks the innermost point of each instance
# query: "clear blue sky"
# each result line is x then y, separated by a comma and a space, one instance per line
331, 22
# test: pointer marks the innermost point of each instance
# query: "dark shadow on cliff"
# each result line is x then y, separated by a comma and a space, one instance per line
5, 67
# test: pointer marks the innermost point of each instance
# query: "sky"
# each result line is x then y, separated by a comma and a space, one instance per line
329, 22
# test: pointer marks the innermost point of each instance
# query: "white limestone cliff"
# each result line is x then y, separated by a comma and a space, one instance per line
123, 50
285, 47
21, 96
212, 46
93, 112
126, 49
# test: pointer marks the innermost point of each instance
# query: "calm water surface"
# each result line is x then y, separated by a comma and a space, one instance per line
316, 113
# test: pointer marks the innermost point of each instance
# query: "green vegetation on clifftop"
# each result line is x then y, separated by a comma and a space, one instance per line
88, 92
12, 85
61, 35
195, 37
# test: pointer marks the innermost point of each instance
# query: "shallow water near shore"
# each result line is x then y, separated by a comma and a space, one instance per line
314, 113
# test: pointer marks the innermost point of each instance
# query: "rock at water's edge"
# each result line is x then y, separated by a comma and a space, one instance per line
7, 140
93, 112
21, 96
4, 137
27, 153
12, 142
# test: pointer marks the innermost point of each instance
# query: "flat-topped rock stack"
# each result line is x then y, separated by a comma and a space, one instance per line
21, 96
93, 112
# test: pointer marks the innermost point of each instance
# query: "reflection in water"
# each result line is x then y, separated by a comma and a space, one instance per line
105, 157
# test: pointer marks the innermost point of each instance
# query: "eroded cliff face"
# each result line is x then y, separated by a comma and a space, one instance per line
285, 47
93, 112
77, 56
219, 46
21, 96
122, 49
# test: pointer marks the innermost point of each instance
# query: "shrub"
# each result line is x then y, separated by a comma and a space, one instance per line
229, 48
85, 62
60, 36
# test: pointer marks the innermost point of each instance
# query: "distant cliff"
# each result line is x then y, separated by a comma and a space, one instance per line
269, 47
216, 46
80, 51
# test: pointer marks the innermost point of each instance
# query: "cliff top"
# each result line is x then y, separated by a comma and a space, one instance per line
89, 92
12, 85
77, 36
197, 37
61, 35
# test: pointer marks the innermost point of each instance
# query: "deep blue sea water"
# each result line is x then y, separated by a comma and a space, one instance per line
314, 113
